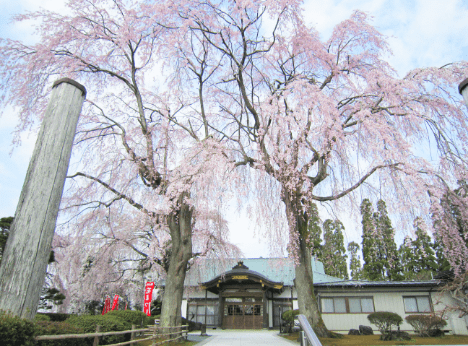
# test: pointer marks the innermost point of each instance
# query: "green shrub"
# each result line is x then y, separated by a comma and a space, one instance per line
57, 317
289, 315
57, 328
16, 331
108, 324
149, 320
384, 321
426, 325
129, 317
42, 318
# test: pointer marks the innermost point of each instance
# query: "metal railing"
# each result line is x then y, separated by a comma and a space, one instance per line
308, 336
158, 336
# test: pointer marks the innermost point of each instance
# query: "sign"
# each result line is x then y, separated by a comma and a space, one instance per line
106, 308
148, 297
115, 304
240, 277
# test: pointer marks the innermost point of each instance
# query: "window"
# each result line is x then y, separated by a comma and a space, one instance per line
203, 312
417, 304
343, 305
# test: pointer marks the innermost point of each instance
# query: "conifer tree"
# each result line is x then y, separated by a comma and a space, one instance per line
371, 239
407, 258
315, 232
334, 253
355, 267
419, 257
388, 249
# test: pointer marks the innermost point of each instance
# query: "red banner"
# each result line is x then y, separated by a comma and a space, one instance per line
106, 308
115, 304
148, 297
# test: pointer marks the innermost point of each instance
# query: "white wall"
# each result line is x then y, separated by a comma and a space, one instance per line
387, 301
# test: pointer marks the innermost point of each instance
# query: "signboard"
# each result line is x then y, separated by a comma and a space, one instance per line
148, 297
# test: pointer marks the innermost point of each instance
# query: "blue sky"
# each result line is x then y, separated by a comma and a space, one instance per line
421, 33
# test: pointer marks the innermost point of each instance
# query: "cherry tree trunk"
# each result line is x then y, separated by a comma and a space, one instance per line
180, 226
27, 251
304, 282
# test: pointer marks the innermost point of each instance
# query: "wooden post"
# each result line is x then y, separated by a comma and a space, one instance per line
27, 251
153, 343
96, 338
132, 336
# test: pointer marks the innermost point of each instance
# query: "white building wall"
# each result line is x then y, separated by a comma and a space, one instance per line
388, 301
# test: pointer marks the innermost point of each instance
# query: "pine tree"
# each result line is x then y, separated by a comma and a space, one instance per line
407, 258
419, 257
388, 249
5, 224
371, 240
315, 232
355, 261
333, 252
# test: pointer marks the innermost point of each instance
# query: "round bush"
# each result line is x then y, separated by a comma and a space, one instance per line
57, 328
289, 315
426, 325
16, 331
108, 324
384, 321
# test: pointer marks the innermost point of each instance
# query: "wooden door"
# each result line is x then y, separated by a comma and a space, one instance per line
243, 316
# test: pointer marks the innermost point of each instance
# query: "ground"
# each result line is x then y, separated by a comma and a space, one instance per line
369, 340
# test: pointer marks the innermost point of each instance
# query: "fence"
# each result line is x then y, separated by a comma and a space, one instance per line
157, 333
308, 336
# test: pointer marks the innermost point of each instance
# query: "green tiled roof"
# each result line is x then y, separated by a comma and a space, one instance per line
275, 269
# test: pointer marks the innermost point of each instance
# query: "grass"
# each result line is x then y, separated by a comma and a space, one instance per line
370, 340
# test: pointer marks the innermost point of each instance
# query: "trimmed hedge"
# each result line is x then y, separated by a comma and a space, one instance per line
129, 317
16, 331
57, 316
426, 325
108, 324
384, 321
56, 328
41, 318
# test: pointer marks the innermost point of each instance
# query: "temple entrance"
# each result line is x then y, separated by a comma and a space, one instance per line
243, 313
243, 297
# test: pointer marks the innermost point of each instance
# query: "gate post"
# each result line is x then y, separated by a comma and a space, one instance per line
27, 251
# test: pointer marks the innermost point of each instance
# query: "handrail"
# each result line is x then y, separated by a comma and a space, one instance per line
97, 334
309, 337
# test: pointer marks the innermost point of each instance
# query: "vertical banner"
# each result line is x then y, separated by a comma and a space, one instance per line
148, 297
126, 303
106, 308
115, 304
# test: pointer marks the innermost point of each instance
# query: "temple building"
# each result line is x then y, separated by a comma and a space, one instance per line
253, 293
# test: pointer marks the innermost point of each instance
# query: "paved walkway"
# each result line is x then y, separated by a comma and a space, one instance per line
245, 338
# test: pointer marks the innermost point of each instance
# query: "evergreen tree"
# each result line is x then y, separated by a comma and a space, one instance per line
407, 258
333, 251
426, 262
388, 250
355, 261
315, 232
5, 224
371, 244
418, 256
